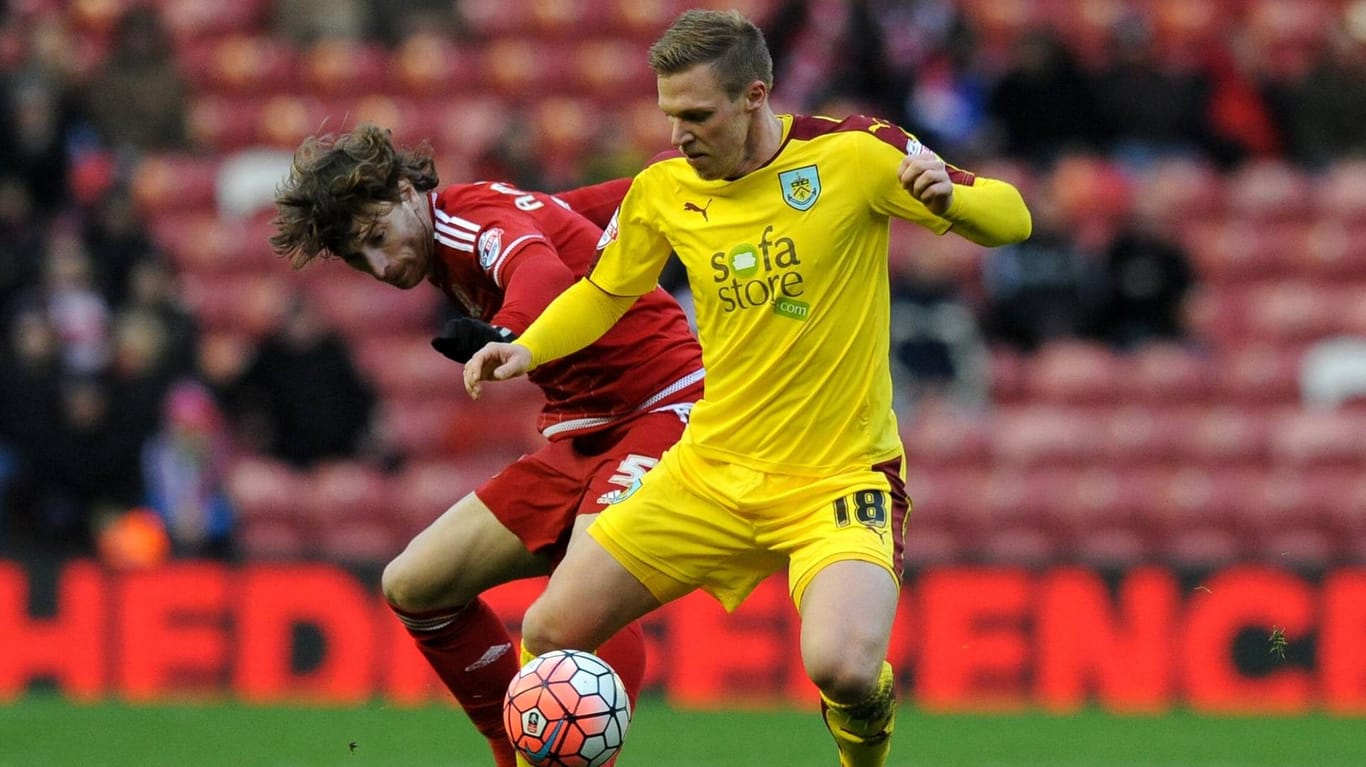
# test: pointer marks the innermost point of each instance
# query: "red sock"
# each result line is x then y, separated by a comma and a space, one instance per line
473, 654
625, 652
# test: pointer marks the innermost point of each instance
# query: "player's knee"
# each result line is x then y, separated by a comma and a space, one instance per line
847, 676
406, 586
543, 630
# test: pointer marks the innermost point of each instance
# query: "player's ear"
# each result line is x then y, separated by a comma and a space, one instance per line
407, 193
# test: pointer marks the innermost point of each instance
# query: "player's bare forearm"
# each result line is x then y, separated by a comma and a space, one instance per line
495, 362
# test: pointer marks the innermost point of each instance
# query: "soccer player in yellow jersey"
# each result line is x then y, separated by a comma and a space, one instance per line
792, 455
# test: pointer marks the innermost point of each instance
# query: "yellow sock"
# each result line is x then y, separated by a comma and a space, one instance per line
863, 730
526, 658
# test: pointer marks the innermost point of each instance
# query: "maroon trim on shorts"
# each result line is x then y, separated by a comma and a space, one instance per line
901, 508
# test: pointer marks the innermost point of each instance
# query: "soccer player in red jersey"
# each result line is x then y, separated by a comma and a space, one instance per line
501, 255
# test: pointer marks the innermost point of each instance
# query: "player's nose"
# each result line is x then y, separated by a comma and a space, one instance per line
377, 262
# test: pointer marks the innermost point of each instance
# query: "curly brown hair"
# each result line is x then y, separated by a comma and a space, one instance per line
334, 181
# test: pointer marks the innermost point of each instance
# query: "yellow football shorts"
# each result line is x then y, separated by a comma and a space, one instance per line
694, 522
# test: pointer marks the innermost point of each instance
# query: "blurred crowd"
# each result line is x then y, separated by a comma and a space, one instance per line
110, 403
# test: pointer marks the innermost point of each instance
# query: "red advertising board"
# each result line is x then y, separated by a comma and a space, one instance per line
1245, 639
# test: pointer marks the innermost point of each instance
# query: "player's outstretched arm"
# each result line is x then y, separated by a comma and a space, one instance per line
495, 362
990, 212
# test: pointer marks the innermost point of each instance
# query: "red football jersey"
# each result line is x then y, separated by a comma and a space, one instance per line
503, 254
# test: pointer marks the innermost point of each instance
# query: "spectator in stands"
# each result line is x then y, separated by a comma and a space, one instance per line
84, 466
141, 373
30, 370
1149, 106
306, 21
21, 239
1042, 105
116, 237
137, 98
77, 310
302, 398
827, 49
1324, 112
1143, 282
1036, 291
184, 467
35, 122
152, 289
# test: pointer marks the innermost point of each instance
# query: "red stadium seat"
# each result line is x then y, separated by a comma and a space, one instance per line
1214, 314
340, 66
1269, 190
407, 366
1166, 374
1046, 435
1333, 250
1006, 371
1320, 439
1341, 193
285, 120
1197, 510
948, 499
469, 127
340, 490
1073, 372
426, 65
174, 182
1137, 435
1234, 250
424, 489
1288, 520
361, 542
263, 488
945, 437
363, 307
1202, 549
190, 19
209, 246
222, 123
1226, 436
1258, 373
1293, 312
249, 304
243, 64
493, 19
611, 65
1181, 191
930, 546
420, 426
269, 538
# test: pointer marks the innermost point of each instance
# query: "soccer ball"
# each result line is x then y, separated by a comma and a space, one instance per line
567, 708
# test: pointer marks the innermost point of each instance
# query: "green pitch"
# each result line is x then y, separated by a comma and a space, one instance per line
45, 732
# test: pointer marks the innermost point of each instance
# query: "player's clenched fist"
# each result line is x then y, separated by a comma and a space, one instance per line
495, 362
926, 177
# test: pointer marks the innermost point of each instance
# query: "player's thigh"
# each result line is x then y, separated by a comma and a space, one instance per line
679, 531
464, 552
589, 597
847, 612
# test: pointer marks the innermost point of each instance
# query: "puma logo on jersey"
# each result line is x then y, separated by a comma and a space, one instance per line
692, 207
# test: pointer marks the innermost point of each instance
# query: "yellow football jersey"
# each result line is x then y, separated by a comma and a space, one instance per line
788, 269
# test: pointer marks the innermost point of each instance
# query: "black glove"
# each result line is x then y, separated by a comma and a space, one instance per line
463, 336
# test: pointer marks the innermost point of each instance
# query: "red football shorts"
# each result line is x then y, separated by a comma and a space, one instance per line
539, 496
